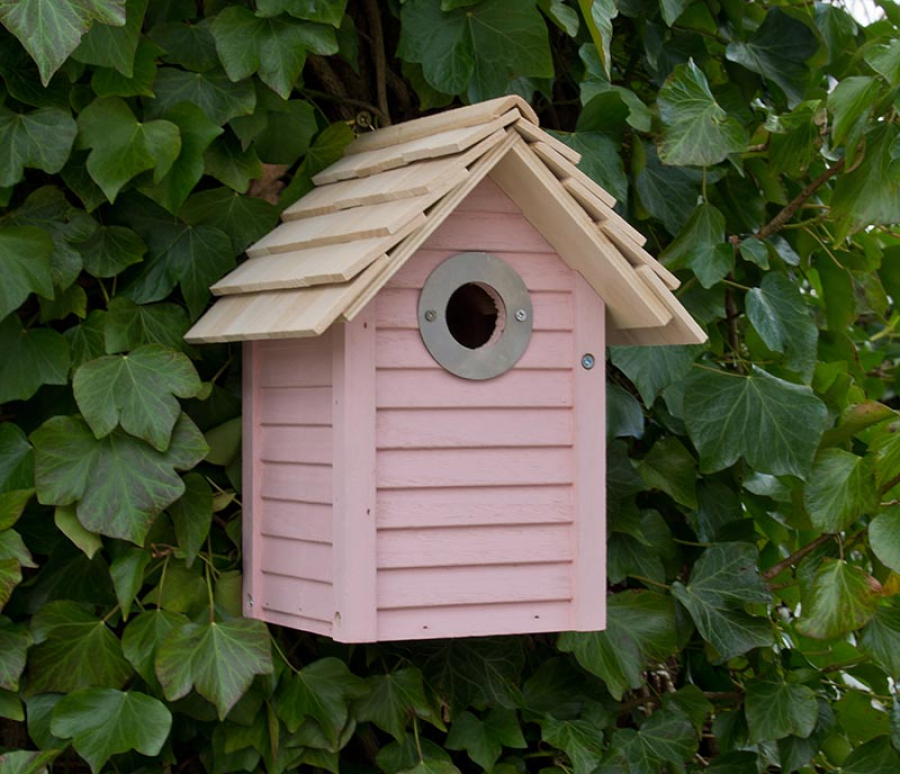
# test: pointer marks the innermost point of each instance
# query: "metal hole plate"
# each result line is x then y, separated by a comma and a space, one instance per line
503, 351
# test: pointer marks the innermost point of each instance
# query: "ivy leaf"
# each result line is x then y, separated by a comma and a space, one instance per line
884, 59
219, 659
86, 340
485, 739
702, 247
197, 132
143, 637
874, 757
780, 315
110, 249
598, 16
324, 11
600, 161
652, 369
777, 51
114, 47
884, 537
29, 359
16, 461
697, 130
669, 194
640, 625
111, 83
50, 32
232, 164
67, 522
851, 102
670, 468
722, 582
192, 516
26, 761
212, 91
123, 147
138, 391
477, 50
129, 325
190, 45
41, 140
321, 691
275, 47
841, 598
25, 262
392, 698
103, 722
244, 218
127, 573
119, 483
15, 640
841, 488
773, 424
776, 710
881, 638
74, 650
666, 737
581, 739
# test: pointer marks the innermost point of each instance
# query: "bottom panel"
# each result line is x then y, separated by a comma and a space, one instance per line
294, 622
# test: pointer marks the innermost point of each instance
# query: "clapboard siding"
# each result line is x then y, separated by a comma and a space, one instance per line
302, 559
298, 596
475, 500
295, 520
310, 406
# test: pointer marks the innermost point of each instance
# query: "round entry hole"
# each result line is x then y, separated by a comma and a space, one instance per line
475, 315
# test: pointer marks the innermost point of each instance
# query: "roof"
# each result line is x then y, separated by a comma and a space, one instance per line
371, 210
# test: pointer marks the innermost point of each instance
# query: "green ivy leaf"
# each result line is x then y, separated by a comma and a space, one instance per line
670, 468
777, 51
881, 638
138, 391
600, 160
841, 598
192, 516
324, 11
29, 359
190, 45
212, 91
392, 698
50, 32
702, 247
233, 165
666, 737
851, 102
74, 650
111, 83
119, 483
41, 140
322, 691
697, 130
778, 312
275, 47
86, 340
103, 722
129, 326
143, 637
245, 219
27, 762
580, 739
67, 522
841, 488
123, 147
110, 249
114, 47
773, 424
779, 709
16, 461
652, 369
219, 659
598, 17
25, 261
485, 739
127, 573
640, 625
669, 194
475, 51
884, 59
722, 582
15, 640
874, 757
884, 537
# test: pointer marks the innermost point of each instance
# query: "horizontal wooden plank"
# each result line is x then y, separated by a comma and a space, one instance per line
471, 546
296, 520
473, 428
475, 506
292, 481
427, 126
403, 348
487, 197
423, 468
562, 168
295, 366
399, 307
444, 143
439, 389
296, 559
533, 134
440, 586
638, 257
296, 405
598, 210
542, 271
295, 622
295, 443
294, 596
489, 232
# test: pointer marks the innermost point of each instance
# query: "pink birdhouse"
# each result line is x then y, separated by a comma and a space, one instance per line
424, 389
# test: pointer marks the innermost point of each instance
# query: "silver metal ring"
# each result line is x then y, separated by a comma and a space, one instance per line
513, 325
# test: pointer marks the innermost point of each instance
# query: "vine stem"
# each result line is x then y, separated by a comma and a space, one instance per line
795, 557
418, 741
778, 222
373, 14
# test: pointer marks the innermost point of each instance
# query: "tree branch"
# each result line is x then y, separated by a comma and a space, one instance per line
795, 557
373, 14
778, 222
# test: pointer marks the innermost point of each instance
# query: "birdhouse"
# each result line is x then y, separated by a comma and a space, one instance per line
423, 383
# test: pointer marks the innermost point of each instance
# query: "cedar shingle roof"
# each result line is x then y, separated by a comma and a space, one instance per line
371, 210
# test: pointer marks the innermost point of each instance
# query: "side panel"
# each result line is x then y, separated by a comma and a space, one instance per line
290, 454
476, 481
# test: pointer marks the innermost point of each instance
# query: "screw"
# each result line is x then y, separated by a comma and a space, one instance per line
587, 361
431, 315
521, 315
249, 600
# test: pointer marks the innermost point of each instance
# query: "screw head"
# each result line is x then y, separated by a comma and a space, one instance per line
521, 315
431, 315
587, 361
249, 600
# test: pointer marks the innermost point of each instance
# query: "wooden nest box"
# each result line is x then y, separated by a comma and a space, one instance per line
424, 390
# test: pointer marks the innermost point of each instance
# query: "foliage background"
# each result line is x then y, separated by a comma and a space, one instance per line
754, 545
